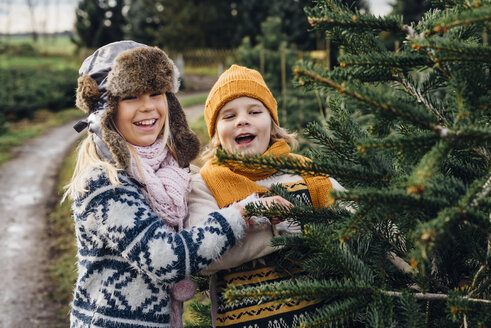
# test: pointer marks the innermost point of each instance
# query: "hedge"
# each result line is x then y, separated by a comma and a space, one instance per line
26, 90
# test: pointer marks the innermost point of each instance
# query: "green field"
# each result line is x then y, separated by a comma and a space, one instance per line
60, 44
49, 52
57, 63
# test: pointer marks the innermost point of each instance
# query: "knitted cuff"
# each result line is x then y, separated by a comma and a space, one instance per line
254, 223
235, 220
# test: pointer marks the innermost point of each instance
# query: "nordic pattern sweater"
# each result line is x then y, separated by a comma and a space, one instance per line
128, 258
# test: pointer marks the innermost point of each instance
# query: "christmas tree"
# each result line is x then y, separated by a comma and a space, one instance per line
408, 135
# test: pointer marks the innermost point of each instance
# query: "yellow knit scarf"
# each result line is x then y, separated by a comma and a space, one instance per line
229, 185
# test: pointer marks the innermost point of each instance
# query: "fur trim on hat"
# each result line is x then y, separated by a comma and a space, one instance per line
115, 142
186, 142
87, 93
141, 70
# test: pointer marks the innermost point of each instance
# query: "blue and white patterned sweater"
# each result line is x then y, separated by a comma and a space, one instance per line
128, 258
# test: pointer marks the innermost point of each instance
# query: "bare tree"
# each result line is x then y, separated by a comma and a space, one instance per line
45, 21
6, 7
56, 20
31, 4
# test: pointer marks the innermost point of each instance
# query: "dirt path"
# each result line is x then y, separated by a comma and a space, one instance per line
194, 112
26, 185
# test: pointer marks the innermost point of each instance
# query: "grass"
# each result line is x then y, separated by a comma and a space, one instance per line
59, 44
18, 133
63, 271
37, 62
53, 52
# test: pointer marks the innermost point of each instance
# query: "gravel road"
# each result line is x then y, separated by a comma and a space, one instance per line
26, 186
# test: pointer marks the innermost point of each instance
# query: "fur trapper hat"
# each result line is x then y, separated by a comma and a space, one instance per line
128, 68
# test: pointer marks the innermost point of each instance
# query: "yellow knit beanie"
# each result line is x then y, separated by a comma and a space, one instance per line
237, 81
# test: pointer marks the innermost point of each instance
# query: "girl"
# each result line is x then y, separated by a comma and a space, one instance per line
241, 116
129, 193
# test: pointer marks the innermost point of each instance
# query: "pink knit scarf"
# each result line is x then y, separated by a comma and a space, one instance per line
167, 186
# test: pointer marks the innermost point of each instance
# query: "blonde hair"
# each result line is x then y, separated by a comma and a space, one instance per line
277, 133
88, 160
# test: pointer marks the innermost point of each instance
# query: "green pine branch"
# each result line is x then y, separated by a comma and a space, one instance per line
410, 87
470, 135
351, 225
478, 192
320, 266
426, 168
349, 36
464, 309
363, 74
467, 212
433, 297
399, 142
300, 213
401, 59
335, 5
393, 198
405, 60
456, 18
354, 20
293, 166
319, 238
200, 313
301, 290
411, 310
321, 289
444, 46
380, 101
335, 313
435, 230
480, 281
319, 135
290, 241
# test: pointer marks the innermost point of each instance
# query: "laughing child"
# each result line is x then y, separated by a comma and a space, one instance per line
241, 116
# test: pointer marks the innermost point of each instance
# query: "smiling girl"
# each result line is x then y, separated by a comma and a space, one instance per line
129, 190
241, 116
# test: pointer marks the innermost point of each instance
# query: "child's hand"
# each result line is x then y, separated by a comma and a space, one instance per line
287, 227
254, 222
268, 201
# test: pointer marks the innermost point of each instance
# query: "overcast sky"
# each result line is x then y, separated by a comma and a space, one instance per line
58, 15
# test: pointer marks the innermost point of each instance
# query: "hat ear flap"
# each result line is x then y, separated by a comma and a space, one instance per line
186, 142
115, 142
88, 93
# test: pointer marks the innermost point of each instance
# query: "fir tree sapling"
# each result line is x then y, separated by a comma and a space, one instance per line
408, 135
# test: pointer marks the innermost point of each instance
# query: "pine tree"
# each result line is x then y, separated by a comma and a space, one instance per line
411, 10
408, 135
98, 23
